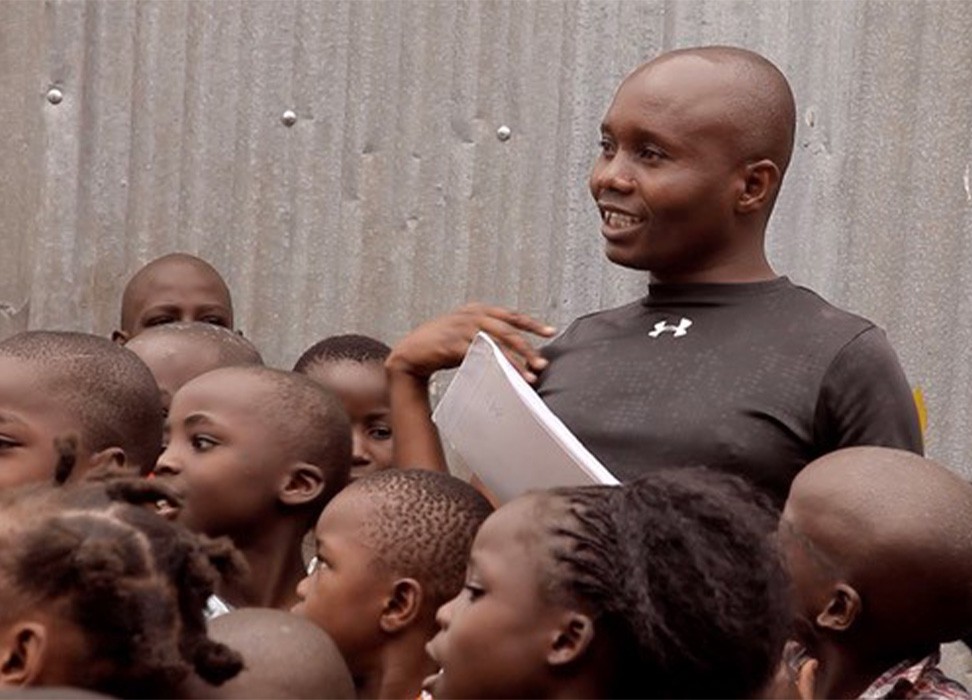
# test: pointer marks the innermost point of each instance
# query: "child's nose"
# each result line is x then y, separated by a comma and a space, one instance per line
360, 457
443, 616
167, 465
302, 588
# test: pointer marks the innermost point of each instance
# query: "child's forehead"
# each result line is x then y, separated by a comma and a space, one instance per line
33, 385
176, 281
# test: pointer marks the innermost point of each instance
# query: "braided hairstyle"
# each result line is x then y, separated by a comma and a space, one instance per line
132, 582
681, 575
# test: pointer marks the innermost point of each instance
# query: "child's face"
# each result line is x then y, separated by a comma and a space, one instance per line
363, 389
178, 291
173, 362
347, 591
31, 417
495, 634
221, 456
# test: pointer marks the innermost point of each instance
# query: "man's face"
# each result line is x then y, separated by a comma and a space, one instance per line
222, 456
667, 176
348, 587
31, 418
177, 291
494, 635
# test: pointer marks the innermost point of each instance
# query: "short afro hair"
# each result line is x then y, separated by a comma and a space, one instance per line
228, 348
421, 525
680, 570
110, 391
351, 347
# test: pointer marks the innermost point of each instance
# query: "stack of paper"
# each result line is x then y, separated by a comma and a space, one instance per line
504, 432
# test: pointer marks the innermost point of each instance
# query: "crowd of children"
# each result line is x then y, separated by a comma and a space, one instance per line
778, 533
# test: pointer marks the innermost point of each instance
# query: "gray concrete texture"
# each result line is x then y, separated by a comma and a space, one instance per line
391, 198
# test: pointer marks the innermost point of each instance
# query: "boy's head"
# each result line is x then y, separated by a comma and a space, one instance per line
693, 151
79, 387
175, 287
353, 367
284, 656
877, 544
391, 548
612, 592
178, 352
107, 597
248, 445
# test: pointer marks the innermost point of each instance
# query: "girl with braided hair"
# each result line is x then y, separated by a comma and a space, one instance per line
669, 586
100, 594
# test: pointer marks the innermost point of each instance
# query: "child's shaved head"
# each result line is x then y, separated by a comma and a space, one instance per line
178, 352
175, 287
284, 656
352, 347
89, 387
421, 524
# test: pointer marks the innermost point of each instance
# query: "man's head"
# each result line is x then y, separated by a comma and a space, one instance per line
249, 445
284, 656
175, 287
58, 386
178, 352
693, 151
391, 548
877, 544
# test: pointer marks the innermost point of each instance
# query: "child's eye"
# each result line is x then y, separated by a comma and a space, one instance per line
316, 563
473, 591
159, 320
215, 321
607, 146
651, 153
7, 443
379, 432
203, 443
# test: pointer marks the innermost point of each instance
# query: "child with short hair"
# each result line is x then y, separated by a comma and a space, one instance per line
99, 594
174, 287
877, 544
353, 367
391, 548
57, 386
178, 352
284, 656
256, 454
666, 587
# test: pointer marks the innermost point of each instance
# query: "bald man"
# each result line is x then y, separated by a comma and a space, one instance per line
723, 362
878, 543
175, 287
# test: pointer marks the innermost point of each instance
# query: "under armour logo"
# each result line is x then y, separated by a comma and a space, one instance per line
678, 331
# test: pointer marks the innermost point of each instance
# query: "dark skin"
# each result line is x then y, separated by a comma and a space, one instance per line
907, 573
685, 193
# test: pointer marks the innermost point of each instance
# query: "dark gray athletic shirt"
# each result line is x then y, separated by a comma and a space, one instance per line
755, 379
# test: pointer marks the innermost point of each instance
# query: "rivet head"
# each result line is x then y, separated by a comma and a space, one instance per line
54, 96
504, 133
289, 118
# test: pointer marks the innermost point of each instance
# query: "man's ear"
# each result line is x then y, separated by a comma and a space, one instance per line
761, 181
403, 605
22, 650
572, 638
120, 337
303, 483
842, 609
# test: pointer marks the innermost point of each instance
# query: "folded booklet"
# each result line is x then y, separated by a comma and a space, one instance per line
505, 433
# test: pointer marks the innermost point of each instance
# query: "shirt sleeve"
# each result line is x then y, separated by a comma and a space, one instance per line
865, 399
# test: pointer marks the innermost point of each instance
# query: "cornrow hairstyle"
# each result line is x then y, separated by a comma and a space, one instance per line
421, 525
226, 347
110, 391
681, 574
134, 583
352, 347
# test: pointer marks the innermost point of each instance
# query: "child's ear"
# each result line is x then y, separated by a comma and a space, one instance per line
22, 650
571, 639
302, 484
120, 337
403, 606
108, 457
842, 609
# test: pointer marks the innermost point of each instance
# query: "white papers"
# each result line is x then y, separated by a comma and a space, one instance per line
505, 433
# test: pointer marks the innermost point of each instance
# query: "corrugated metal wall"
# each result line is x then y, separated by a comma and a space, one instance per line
391, 198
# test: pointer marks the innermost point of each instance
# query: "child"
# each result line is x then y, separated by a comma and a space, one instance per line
175, 287
74, 386
107, 597
178, 352
391, 548
667, 587
285, 656
877, 544
352, 366
256, 453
